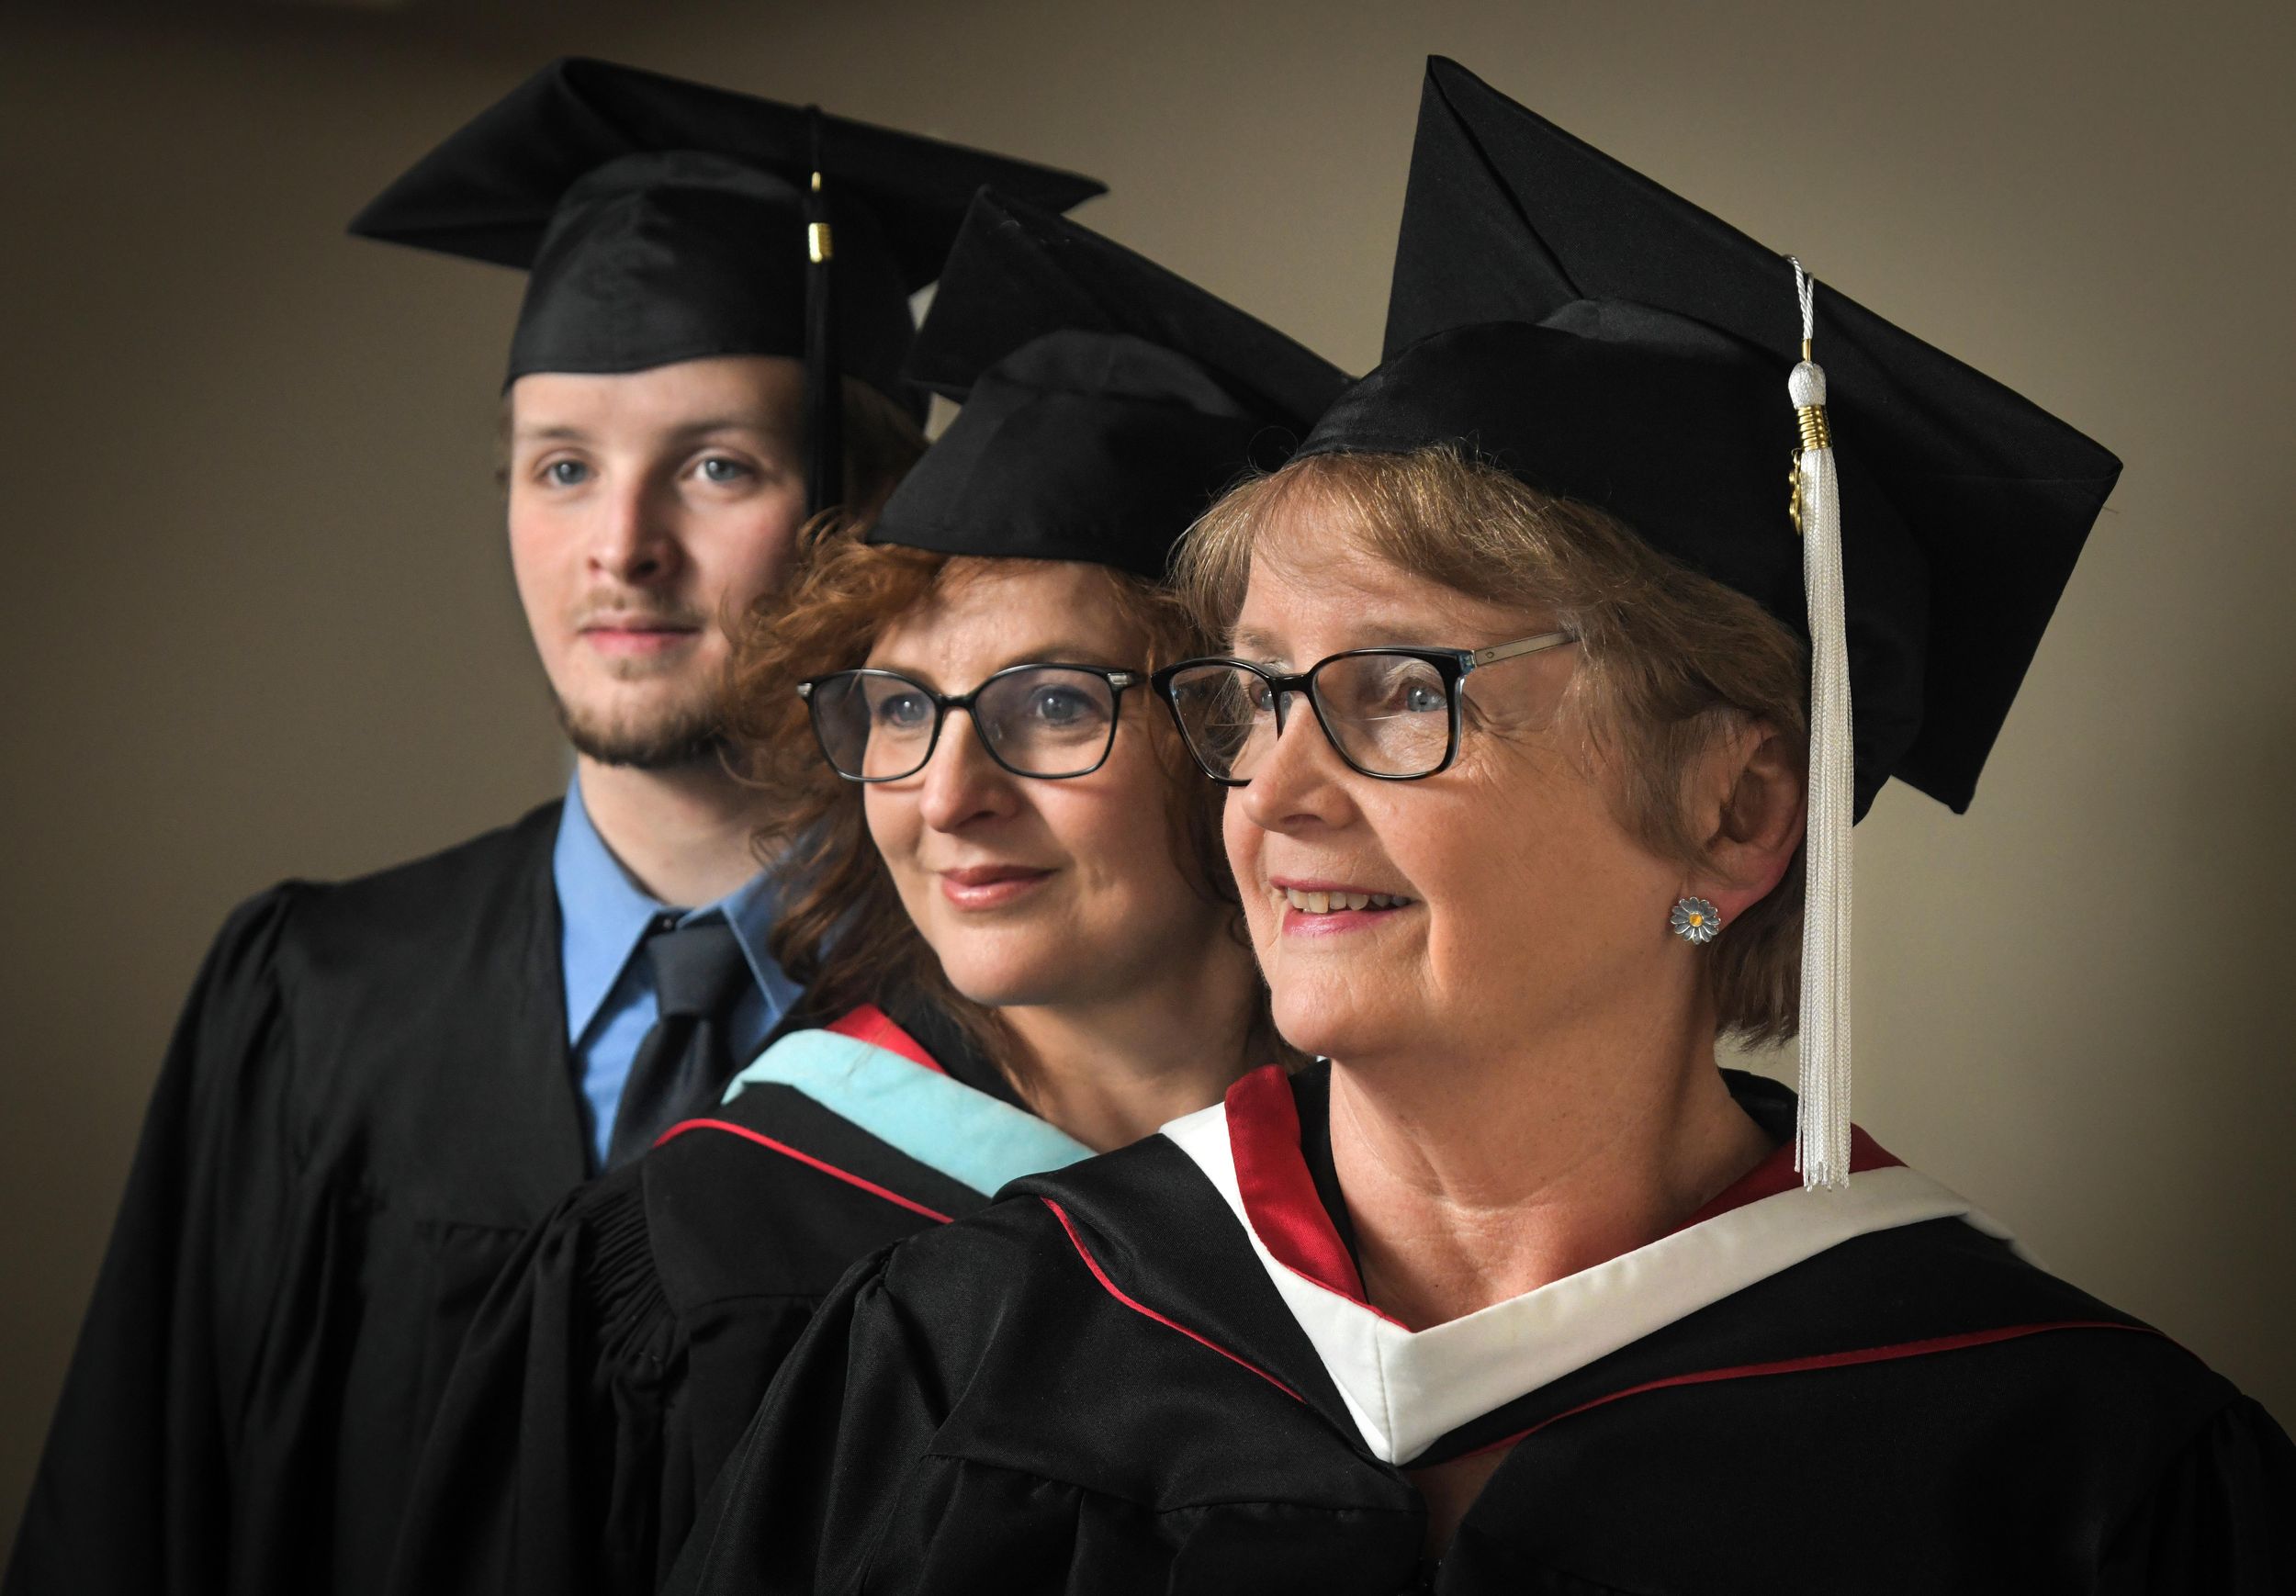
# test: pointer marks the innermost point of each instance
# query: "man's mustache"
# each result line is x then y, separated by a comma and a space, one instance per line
622, 609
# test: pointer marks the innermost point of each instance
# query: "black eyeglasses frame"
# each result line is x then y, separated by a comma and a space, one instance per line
1452, 664
1118, 681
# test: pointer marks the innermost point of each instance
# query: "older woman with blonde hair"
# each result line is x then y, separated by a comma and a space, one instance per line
1540, 769
1006, 897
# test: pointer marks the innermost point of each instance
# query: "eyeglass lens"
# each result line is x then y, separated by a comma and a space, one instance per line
1045, 720
1389, 714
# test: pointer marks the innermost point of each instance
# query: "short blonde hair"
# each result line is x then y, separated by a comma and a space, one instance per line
1670, 660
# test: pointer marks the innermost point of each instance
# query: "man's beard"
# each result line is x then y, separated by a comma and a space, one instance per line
674, 736
674, 739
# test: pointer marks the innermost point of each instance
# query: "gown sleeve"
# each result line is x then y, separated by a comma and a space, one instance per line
2220, 1520
133, 1492
801, 1503
556, 1454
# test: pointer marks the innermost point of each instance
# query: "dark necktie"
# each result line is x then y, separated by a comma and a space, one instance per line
686, 1058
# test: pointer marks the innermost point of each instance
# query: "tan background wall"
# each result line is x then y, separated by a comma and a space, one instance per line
259, 620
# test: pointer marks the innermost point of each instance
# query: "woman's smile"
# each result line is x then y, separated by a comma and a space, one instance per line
979, 887
1326, 909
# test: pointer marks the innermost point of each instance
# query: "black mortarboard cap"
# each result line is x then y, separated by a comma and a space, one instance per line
1607, 340
662, 220
1106, 401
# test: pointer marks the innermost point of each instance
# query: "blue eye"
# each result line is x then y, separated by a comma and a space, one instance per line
720, 469
566, 473
1060, 706
904, 710
1421, 699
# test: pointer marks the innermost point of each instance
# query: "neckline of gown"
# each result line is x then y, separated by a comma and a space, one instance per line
1405, 1389
1316, 1215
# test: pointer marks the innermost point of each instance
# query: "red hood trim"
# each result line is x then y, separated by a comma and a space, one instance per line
872, 1025
1281, 1201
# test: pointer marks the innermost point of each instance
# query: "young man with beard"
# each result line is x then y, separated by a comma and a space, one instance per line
378, 1086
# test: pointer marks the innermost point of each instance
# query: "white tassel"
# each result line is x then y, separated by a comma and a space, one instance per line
1822, 1135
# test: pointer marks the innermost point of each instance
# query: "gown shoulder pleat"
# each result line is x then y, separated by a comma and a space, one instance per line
2219, 1517
613, 1368
364, 1107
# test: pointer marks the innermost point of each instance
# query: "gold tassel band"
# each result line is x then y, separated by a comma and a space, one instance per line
817, 246
1816, 434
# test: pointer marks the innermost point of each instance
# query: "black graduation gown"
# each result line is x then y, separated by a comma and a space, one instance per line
1100, 1385
366, 1104
619, 1359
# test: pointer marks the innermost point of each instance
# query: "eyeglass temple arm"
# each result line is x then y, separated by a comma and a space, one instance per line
1498, 651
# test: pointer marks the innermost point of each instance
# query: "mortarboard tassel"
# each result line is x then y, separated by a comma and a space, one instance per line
1822, 1133
825, 395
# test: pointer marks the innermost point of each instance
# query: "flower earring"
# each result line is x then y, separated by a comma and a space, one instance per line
1694, 921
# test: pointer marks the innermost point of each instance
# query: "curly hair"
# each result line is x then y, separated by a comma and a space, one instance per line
1670, 660
843, 931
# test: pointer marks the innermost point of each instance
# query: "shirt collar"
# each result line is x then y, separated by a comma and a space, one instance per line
752, 908
606, 916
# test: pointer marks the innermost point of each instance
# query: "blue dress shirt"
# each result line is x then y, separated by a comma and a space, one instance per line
603, 916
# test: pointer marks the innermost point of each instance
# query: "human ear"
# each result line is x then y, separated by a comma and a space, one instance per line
1749, 799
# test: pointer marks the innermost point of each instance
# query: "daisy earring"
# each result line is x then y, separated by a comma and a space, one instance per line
1694, 921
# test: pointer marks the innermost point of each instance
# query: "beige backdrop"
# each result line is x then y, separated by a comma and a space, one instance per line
264, 625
